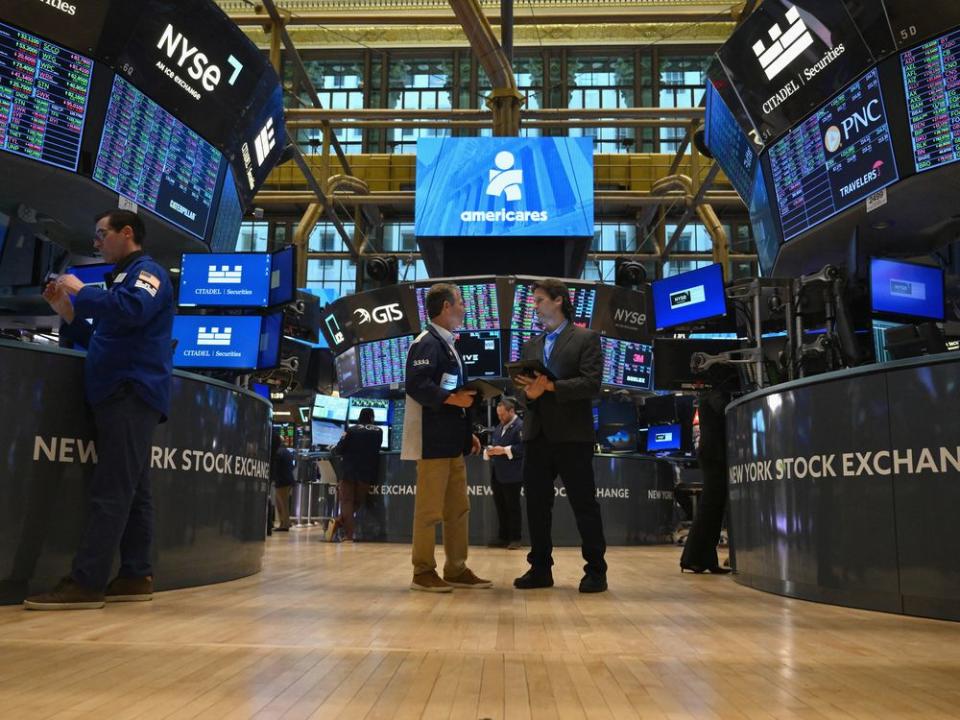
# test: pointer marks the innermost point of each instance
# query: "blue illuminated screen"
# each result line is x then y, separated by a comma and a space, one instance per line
216, 341
271, 331
504, 187
325, 433
689, 297
902, 288
94, 274
225, 280
328, 407
663, 437
729, 145
282, 276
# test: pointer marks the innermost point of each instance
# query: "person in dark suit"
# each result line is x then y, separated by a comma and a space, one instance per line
360, 449
559, 437
506, 478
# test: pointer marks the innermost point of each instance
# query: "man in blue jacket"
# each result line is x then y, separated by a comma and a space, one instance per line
127, 384
436, 433
506, 477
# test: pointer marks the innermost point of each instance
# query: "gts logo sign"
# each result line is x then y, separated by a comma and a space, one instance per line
381, 315
199, 67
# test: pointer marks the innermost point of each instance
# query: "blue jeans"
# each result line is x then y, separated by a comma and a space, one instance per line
120, 509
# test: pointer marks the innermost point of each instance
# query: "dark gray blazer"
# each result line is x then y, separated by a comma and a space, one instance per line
566, 415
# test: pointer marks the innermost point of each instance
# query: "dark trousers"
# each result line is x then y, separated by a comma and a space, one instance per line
120, 510
573, 462
506, 498
353, 496
700, 549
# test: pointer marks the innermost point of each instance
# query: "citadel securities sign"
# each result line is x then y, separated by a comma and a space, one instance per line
496, 187
791, 56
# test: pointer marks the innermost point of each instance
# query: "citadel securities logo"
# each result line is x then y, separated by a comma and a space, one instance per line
60, 5
265, 142
224, 275
381, 315
785, 46
214, 336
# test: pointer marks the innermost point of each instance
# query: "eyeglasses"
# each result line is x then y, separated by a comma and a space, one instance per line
101, 233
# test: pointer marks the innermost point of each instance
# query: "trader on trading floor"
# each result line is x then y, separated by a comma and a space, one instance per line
127, 375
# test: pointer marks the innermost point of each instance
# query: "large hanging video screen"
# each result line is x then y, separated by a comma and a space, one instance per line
835, 158
730, 146
150, 157
44, 90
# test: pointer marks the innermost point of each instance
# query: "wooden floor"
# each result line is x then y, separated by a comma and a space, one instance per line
331, 631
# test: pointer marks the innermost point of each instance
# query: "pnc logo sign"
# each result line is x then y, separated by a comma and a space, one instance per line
381, 315
690, 296
785, 47
197, 64
857, 123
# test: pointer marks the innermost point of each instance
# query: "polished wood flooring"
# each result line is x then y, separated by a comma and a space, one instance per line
331, 631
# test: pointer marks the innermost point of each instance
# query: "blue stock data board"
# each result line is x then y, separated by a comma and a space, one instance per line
384, 362
730, 146
835, 158
153, 159
44, 90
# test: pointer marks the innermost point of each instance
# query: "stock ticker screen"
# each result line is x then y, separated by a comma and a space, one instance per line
931, 78
519, 338
480, 300
835, 158
150, 157
384, 362
44, 90
525, 316
627, 364
732, 149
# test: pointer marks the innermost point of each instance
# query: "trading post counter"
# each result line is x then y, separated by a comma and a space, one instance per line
844, 487
209, 473
635, 493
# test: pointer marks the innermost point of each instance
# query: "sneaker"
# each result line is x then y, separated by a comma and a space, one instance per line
593, 583
533, 579
130, 589
514, 545
467, 579
331, 530
430, 582
67, 595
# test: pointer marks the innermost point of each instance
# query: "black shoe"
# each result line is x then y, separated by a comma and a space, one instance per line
497, 544
716, 570
593, 583
532, 579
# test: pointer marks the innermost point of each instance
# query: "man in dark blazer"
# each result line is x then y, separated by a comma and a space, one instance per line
559, 437
359, 449
506, 479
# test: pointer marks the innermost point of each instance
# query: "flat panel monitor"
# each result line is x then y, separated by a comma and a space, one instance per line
519, 338
524, 317
348, 372
730, 146
229, 342
481, 353
384, 362
480, 298
835, 158
906, 290
282, 276
76, 25
324, 433
261, 390
225, 280
933, 96
627, 364
380, 407
689, 297
271, 334
226, 225
766, 229
93, 274
328, 407
44, 90
663, 438
504, 187
618, 438
153, 159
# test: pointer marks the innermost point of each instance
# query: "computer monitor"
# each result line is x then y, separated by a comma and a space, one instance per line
348, 372
261, 390
906, 290
479, 297
225, 280
384, 362
217, 342
481, 353
283, 276
325, 433
380, 407
583, 297
627, 364
689, 297
94, 274
328, 407
618, 437
663, 438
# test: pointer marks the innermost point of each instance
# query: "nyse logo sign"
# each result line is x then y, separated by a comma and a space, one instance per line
214, 336
381, 315
224, 275
634, 318
197, 64
908, 289
662, 437
690, 296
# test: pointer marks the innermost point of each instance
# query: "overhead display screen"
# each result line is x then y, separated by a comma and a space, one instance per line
480, 299
905, 289
524, 316
833, 159
76, 24
348, 372
282, 276
150, 157
931, 78
766, 230
480, 352
627, 364
730, 146
217, 341
789, 56
44, 90
504, 187
327, 407
689, 297
384, 362
227, 279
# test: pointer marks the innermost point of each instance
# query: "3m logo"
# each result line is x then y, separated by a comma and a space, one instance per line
690, 296
265, 142
224, 275
506, 179
214, 336
785, 46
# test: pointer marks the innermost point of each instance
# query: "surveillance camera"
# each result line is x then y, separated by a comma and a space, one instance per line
258, 213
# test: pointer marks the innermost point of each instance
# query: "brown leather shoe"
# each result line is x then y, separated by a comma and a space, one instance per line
67, 595
430, 582
130, 589
468, 580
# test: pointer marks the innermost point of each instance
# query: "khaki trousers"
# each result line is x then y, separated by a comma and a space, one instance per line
281, 497
441, 496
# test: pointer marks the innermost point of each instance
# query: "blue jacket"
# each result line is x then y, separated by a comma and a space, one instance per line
508, 469
432, 429
130, 338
